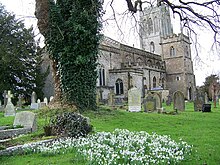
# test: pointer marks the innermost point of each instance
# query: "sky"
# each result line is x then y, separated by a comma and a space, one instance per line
209, 62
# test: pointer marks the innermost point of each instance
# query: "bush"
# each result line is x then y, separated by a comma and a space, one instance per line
71, 124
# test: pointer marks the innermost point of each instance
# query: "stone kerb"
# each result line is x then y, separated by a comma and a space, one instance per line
26, 119
134, 100
178, 101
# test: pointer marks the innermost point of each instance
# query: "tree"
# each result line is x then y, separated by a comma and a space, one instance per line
208, 85
73, 45
18, 52
72, 32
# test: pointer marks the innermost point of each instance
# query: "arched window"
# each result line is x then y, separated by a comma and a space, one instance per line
154, 82
156, 24
152, 47
101, 76
119, 87
172, 51
150, 26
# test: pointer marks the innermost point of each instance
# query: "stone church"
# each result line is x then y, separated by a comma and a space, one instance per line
162, 64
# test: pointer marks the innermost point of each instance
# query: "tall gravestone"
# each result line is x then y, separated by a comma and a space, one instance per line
134, 100
19, 104
34, 104
149, 103
169, 100
5, 98
9, 109
158, 100
199, 100
178, 101
111, 98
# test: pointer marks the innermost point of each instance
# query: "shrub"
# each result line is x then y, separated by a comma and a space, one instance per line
71, 124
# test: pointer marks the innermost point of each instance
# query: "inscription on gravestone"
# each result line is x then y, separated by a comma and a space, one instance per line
134, 100
149, 103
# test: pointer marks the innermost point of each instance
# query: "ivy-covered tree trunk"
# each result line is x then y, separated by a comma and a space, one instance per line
72, 36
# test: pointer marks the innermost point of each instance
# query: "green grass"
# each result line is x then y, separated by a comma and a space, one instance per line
202, 130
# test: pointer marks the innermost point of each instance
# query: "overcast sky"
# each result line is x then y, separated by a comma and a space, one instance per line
209, 64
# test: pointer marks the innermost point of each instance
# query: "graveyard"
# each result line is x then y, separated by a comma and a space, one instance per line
199, 129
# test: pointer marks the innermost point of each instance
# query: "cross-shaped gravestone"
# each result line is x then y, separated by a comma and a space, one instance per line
9, 109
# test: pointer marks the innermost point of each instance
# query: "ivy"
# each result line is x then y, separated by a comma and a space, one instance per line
73, 39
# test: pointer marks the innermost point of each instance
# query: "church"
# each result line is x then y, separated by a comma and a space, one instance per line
163, 63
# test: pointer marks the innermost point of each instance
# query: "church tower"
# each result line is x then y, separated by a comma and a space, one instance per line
157, 37
155, 24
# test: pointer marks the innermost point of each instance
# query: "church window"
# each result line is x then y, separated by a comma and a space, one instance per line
119, 87
101, 76
187, 51
177, 78
152, 47
162, 83
150, 26
154, 82
156, 24
172, 51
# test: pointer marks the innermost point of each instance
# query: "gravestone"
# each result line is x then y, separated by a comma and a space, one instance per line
199, 100
149, 103
26, 119
134, 100
19, 100
178, 101
38, 101
33, 97
169, 100
51, 98
35, 106
111, 96
5, 98
9, 109
98, 98
206, 98
45, 101
158, 100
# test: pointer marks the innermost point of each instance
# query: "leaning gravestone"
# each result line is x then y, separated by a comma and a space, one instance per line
149, 103
9, 109
178, 101
26, 119
134, 100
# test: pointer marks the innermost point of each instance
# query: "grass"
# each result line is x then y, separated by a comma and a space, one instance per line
202, 130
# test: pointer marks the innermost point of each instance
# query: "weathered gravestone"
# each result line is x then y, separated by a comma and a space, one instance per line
46, 101
169, 100
158, 100
9, 109
199, 101
134, 100
149, 103
34, 104
111, 96
206, 98
33, 97
19, 104
26, 119
5, 98
178, 101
